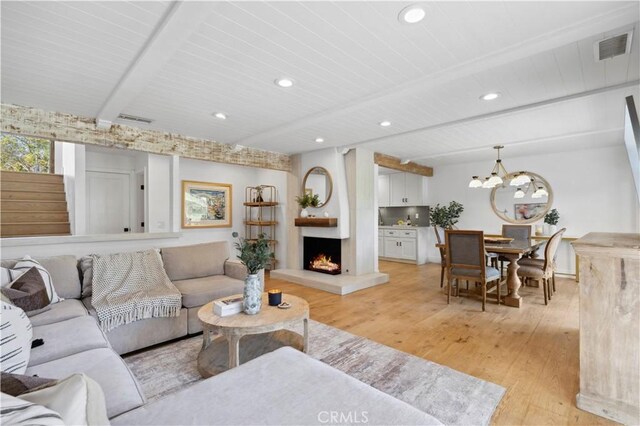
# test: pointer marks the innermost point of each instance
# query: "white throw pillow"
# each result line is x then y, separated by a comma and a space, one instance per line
16, 411
78, 399
23, 266
15, 339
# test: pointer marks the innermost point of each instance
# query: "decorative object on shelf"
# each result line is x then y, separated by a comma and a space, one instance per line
539, 230
317, 183
446, 217
260, 216
308, 199
498, 175
325, 214
523, 204
254, 255
275, 297
206, 205
551, 219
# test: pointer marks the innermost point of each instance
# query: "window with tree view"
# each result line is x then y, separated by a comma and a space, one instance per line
25, 154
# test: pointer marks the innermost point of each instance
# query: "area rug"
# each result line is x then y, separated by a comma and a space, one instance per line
450, 396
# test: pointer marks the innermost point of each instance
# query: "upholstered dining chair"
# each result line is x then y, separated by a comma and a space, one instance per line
443, 261
518, 233
528, 261
465, 258
543, 269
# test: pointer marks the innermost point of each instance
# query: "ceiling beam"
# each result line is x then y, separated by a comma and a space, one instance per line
619, 17
180, 21
63, 127
397, 164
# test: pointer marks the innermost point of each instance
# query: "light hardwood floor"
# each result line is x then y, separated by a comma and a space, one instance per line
532, 351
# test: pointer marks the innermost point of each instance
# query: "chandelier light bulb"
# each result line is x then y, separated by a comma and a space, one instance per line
495, 180
475, 182
486, 184
519, 193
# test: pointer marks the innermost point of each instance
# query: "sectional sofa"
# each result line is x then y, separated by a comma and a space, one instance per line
283, 387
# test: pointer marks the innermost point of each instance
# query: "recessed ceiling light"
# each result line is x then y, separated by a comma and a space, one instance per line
412, 14
220, 115
385, 123
284, 82
490, 96
319, 140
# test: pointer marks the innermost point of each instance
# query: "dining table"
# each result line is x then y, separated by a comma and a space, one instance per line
512, 251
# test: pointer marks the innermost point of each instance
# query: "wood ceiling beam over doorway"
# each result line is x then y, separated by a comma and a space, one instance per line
396, 164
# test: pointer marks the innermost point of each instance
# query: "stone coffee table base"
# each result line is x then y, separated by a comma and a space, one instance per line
214, 359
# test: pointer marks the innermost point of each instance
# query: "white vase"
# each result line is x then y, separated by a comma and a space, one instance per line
252, 302
304, 213
553, 229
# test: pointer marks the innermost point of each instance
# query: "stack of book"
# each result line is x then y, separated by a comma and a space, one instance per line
226, 307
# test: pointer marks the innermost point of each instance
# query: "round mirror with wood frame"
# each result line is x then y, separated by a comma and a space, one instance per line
525, 208
318, 181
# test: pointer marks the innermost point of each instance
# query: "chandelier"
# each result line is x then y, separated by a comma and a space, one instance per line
499, 174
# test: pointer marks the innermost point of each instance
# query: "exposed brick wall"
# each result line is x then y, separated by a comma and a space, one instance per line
71, 128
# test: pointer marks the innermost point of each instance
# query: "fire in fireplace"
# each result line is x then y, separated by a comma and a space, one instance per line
322, 255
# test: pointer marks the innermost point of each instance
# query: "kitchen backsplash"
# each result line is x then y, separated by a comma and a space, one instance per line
391, 215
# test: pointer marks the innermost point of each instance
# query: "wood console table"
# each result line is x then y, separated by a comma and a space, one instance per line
610, 326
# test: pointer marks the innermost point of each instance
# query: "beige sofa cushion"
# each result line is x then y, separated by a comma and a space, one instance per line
200, 291
195, 261
61, 311
65, 338
121, 390
64, 274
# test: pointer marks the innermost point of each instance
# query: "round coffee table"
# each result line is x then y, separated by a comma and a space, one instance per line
260, 333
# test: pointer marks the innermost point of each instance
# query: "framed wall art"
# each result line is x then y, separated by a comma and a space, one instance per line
206, 205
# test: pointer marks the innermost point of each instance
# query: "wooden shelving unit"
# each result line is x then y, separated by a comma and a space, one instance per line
260, 214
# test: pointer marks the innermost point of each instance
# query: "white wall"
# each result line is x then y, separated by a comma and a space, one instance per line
158, 193
70, 162
593, 191
238, 176
338, 204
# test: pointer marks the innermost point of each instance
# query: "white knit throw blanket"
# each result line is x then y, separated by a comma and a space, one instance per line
132, 286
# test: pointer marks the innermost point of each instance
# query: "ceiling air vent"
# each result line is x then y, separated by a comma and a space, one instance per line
613, 46
134, 118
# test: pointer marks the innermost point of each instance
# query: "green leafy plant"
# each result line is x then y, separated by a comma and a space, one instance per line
254, 254
446, 216
552, 217
24, 154
308, 200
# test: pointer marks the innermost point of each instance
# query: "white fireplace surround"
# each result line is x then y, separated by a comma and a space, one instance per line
353, 202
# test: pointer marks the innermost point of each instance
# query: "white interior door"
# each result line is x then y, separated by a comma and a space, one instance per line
108, 202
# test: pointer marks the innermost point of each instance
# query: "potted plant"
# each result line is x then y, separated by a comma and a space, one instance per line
307, 200
551, 219
446, 216
254, 255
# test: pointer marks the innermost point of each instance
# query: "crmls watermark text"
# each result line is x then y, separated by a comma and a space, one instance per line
342, 417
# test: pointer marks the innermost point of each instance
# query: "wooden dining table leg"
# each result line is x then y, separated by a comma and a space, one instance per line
513, 299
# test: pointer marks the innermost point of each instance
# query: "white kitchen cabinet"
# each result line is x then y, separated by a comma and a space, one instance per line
383, 191
412, 189
408, 248
403, 244
396, 189
404, 189
380, 242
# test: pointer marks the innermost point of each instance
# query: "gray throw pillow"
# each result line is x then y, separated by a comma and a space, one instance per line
28, 291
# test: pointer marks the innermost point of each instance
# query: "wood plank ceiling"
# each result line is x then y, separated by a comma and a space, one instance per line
353, 64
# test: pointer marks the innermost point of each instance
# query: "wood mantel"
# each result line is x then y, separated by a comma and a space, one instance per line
318, 222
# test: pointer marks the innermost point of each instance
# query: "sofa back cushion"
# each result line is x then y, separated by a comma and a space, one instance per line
196, 261
63, 271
